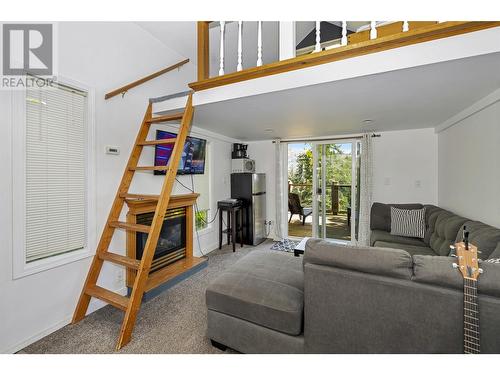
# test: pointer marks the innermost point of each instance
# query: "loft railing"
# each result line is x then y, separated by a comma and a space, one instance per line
375, 37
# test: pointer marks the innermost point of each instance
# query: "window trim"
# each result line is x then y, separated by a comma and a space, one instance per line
20, 268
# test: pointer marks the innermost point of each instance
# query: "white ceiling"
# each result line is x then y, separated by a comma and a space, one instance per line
405, 99
177, 35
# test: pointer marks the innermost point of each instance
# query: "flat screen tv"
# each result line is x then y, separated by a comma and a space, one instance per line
193, 156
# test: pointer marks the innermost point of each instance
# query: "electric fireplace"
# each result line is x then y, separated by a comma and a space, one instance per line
173, 255
172, 241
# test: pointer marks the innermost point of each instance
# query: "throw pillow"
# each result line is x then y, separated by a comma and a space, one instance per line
408, 223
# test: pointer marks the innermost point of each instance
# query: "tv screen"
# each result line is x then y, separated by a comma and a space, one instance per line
193, 156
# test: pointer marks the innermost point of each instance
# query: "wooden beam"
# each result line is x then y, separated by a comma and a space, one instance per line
420, 35
125, 88
203, 50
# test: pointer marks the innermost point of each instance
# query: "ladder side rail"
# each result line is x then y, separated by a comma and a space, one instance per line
114, 214
150, 246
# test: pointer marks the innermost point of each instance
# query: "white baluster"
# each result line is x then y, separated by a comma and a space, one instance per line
343, 41
259, 44
406, 26
222, 27
373, 30
317, 48
240, 48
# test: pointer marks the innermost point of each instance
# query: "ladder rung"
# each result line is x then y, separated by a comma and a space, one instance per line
130, 226
108, 296
140, 197
121, 260
164, 118
158, 142
150, 168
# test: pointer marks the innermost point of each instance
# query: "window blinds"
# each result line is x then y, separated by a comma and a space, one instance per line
56, 139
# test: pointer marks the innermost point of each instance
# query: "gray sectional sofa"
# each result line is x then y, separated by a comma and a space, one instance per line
404, 297
443, 228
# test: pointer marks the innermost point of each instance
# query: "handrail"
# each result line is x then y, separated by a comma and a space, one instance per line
424, 32
122, 90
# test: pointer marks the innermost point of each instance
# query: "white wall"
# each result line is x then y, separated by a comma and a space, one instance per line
469, 171
405, 167
401, 161
102, 56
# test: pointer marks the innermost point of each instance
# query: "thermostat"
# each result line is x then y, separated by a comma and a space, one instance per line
112, 150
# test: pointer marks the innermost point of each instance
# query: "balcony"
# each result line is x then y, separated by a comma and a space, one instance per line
377, 37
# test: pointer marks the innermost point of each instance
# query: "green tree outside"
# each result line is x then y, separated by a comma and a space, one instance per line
338, 161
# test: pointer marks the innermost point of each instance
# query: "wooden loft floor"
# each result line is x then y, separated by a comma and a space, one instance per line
360, 45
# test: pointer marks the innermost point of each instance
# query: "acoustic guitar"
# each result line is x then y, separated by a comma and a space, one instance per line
468, 265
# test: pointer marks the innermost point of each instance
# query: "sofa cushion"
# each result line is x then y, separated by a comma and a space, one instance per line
446, 227
485, 237
380, 214
410, 249
380, 261
431, 213
438, 270
380, 235
408, 223
265, 288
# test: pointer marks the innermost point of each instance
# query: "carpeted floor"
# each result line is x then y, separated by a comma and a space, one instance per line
172, 322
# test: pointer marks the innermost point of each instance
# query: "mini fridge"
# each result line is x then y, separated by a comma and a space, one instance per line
251, 189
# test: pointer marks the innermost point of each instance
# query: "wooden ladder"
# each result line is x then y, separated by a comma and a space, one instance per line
132, 304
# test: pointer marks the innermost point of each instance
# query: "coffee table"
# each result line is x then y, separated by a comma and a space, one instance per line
301, 246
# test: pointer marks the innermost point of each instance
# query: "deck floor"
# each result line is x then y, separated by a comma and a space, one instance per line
336, 227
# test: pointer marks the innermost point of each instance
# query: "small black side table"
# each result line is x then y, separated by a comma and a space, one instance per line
234, 211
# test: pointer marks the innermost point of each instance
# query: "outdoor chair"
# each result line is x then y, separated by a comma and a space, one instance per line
296, 208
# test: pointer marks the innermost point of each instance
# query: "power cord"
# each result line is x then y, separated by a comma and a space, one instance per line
192, 190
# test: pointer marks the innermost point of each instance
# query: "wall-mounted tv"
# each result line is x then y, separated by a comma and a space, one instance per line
193, 155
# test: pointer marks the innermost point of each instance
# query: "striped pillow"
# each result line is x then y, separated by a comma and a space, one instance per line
408, 223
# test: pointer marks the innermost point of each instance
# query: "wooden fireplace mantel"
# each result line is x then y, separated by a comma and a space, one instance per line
147, 204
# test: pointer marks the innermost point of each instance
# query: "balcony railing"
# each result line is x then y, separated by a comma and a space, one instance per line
333, 193
374, 38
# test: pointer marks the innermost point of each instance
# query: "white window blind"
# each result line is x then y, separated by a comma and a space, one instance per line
56, 139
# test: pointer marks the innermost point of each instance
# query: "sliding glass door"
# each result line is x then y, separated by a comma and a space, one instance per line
334, 190
322, 189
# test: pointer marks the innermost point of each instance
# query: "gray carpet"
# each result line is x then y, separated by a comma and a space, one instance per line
172, 322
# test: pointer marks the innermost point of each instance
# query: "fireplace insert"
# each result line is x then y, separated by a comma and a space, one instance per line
172, 241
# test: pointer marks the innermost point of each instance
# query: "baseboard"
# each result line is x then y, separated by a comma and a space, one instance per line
214, 246
93, 306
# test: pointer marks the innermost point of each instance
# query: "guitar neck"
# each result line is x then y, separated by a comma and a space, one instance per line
471, 317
